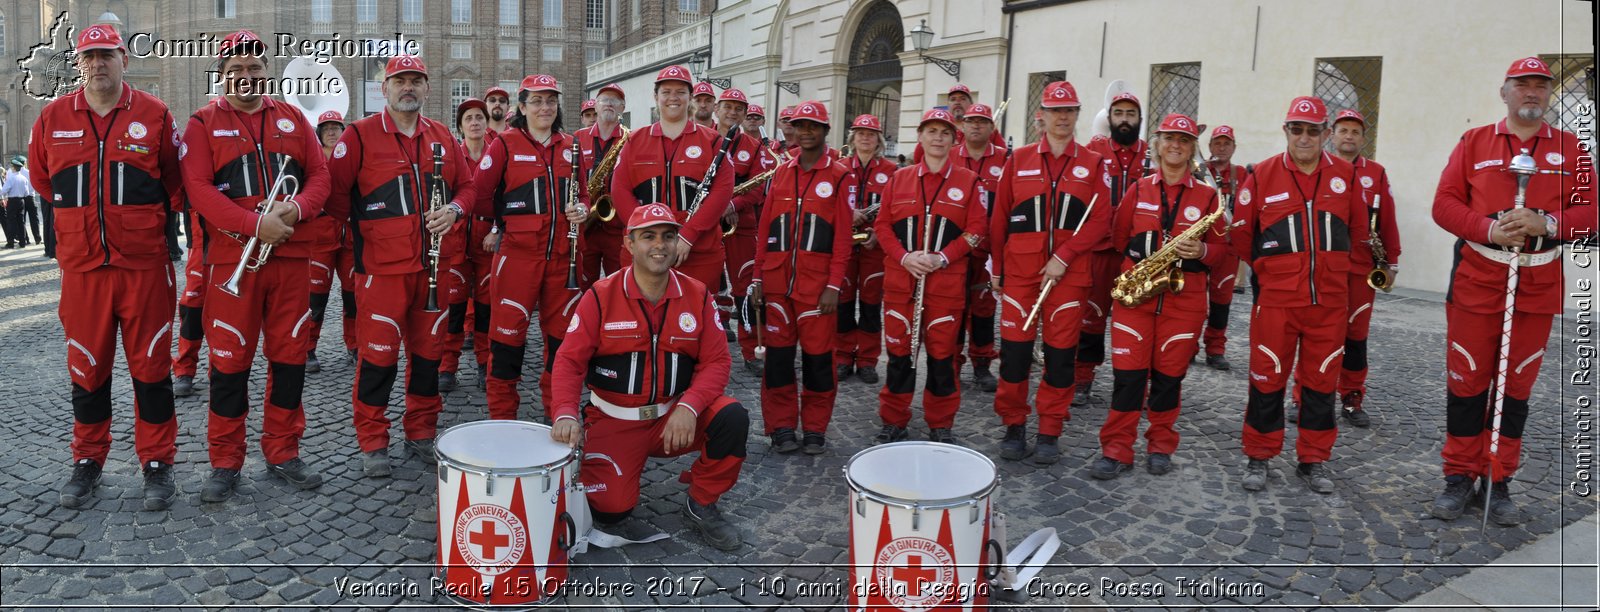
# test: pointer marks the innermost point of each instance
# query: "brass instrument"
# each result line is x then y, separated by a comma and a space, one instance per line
435, 202
600, 176
1159, 272
1381, 278
255, 254
871, 214
572, 228
761, 179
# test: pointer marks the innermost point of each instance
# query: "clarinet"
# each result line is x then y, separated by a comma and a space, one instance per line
435, 202
572, 228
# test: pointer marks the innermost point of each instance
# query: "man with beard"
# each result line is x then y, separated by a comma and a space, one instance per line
1225, 275
705, 105
499, 102
230, 147
602, 240
1475, 202
1126, 159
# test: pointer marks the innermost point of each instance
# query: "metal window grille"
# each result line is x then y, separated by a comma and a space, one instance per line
1036, 84
1174, 88
1574, 92
1352, 83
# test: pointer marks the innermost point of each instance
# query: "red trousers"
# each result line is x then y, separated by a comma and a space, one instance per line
1148, 351
602, 246
94, 306
616, 450
519, 286
392, 319
791, 322
1104, 267
191, 322
1219, 287
941, 393
1060, 316
1353, 376
273, 302
1472, 362
860, 330
469, 283
326, 264
981, 306
741, 250
1275, 335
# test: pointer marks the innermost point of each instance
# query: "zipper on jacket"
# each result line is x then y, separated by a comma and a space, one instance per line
655, 384
1311, 247
100, 208
551, 191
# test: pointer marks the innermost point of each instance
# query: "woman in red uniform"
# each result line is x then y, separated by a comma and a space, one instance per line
471, 252
861, 301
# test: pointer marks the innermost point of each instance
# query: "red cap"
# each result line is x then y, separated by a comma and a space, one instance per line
979, 110
1307, 109
756, 111
810, 110
651, 215
335, 117
539, 82
1129, 97
243, 41
1352, 115
959, 88
469, 104
1060, 94
1179, 124
674, 73
867, 122
786, 113
704, 89
401, 64
1222, 131
588, 105
732, 94
1529, 66
940, 115
99, 36
614, 88
496, 90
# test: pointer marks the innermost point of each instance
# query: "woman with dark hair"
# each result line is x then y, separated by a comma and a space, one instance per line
468, 247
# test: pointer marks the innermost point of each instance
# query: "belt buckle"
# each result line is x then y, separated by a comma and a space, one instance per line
648, 413
1524, 259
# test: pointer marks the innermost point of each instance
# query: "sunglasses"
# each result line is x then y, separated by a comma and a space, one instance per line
1298, 129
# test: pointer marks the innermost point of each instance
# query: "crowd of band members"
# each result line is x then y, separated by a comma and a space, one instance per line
816, 260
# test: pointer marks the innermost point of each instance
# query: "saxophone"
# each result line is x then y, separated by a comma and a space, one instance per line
1381, 277
600, 176
1159, 272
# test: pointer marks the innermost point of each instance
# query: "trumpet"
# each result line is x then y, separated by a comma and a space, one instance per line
255, 254
1381, 278
603, 210
435, 202
572, 228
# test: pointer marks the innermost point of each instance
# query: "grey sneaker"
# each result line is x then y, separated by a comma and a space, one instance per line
422, 449
1107, 468
814, 443
1255, 475
376, 464
85, 475
783, 441
708, 520
891, 433
1453, 501
297, 473
183, 386
313, 365
1317, 477
1014, 447
219, 486
942, 435
159, 487
1158, 463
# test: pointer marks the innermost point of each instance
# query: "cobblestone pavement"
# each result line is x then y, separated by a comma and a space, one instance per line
1132, 541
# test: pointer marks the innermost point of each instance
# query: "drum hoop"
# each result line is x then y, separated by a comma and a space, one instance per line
923, 504
491, 472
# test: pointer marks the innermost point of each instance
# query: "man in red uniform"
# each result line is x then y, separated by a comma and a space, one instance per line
861, 307
1297, 218
748, 161
648, 345
498, 100
1224, 276
469, 245
705, 105
602, 240
388, 162
331, 255
235, 150
1050, 211
586, 114
986, 160
931, 221
523, 182
1152, 343
786, 130
1127, 160
191, 313
111, 244
1475, 202
805, 245
754, 119
664, 163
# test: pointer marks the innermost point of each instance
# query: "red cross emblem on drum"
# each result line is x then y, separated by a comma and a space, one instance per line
915, 573
490, 538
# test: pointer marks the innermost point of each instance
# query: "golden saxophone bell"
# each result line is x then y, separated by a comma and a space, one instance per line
603, 210
860, 237
1381, 279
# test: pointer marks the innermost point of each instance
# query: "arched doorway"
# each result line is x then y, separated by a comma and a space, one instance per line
873, 84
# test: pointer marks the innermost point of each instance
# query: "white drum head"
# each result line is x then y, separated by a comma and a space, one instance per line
501, 445
922, 472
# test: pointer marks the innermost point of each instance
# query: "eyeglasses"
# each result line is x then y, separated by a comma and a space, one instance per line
1298, 129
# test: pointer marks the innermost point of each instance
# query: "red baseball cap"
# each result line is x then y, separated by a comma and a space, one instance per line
810, 110
496, 90
401, 64
243, 41
469, 104
539, 82
1351, 115
335, 117
939, 115
1060, 94
1179, 124
867, 122
674, 73
732, 94
756, 111
786, 113
1127, 96
1529, 66
613, 87
651, 215
99, 36
588, 105
959, 88
1222, 131
1307, 109
704, 89
979, 110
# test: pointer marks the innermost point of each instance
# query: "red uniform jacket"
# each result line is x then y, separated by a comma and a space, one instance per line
111, 180
382, 181
803, 238
1374, 183
1050, 207
1150, 215
1297, 230
747, 162
469, 231
949, 200
230, 161
655, 169
1125, 165
631, 352
595, 146
987, 166
524, 186
1475, 188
